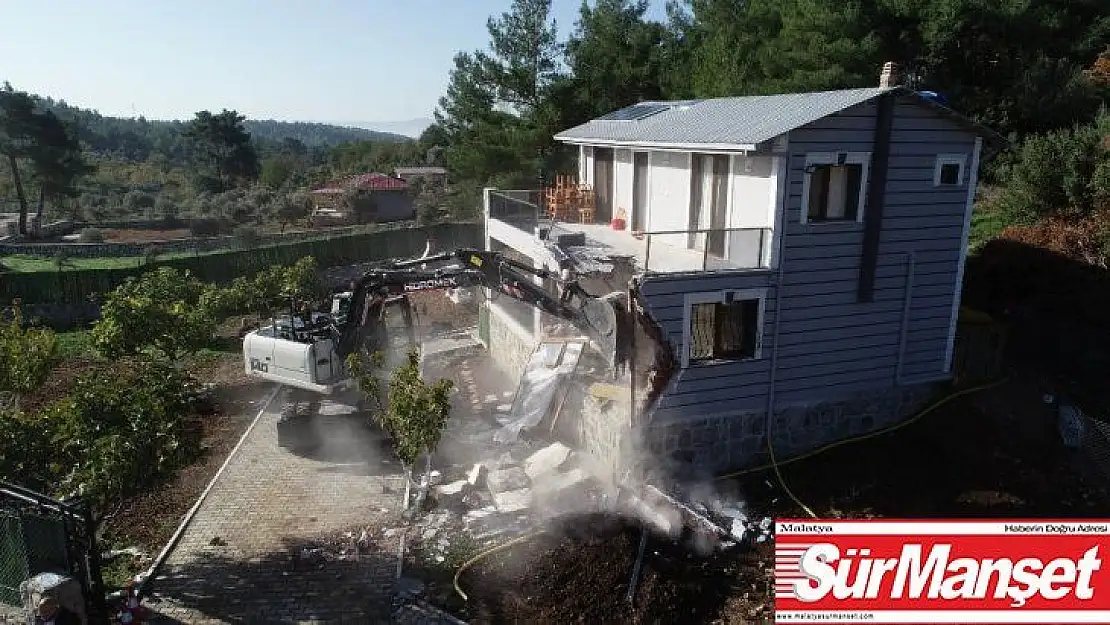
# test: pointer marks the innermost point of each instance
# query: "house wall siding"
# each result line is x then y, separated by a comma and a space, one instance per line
829, 340
837, 359
702, 389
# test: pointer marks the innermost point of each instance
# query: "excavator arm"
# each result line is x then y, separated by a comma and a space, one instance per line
469, 268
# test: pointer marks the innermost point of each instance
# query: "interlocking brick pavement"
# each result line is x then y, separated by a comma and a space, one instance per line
289, 483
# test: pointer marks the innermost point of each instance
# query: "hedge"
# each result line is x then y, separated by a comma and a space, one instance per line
80, 284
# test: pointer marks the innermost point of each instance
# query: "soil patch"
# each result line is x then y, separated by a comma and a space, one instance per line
135, 235
579, 572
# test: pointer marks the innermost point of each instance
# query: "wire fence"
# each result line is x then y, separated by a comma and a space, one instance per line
41, 535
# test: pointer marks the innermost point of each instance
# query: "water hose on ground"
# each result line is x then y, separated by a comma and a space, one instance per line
488, 552
773, 464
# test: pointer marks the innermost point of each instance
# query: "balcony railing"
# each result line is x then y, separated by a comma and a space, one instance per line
518, 208
719, 248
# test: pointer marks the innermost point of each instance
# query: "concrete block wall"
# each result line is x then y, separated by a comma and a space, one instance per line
733, 441
509, 350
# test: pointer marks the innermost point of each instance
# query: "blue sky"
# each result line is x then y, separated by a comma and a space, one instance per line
316, 60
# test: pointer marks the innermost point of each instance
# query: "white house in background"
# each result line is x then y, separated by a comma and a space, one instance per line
802, 254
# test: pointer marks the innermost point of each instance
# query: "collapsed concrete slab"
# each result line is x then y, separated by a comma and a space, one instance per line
513, 500
546, 460
507, 479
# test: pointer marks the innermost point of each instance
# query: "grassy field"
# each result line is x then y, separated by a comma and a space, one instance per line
37, 264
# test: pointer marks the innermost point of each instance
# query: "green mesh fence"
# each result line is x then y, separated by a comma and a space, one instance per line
13, 557
29, 544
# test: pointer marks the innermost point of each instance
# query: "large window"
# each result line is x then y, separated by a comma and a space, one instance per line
834, 187
723, 326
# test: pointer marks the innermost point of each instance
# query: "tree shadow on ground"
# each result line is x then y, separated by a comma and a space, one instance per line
305, 580
345, 441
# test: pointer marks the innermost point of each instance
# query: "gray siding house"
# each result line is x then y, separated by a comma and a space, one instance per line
801, 255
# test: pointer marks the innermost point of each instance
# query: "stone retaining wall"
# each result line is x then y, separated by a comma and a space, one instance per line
738, 440
193, 245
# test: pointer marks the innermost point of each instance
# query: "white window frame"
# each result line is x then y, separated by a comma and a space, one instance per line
950, 159
718, 297
832, 158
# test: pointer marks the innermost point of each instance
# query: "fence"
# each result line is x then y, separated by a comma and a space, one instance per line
79, 285
518, 208
43, 535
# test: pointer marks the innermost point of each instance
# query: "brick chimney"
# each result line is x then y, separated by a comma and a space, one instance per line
891, 76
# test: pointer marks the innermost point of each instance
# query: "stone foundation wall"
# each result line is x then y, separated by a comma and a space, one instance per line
734, 441
509, 350
602, 431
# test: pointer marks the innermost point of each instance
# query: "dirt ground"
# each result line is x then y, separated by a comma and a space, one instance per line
134, 235
992, 454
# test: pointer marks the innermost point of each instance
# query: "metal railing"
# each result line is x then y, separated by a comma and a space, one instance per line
518, 208
722, 238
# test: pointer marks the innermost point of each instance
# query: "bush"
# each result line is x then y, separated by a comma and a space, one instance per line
1065, 173
27, 355
247, 236
159, 313
91, 235
207, 227
120, 430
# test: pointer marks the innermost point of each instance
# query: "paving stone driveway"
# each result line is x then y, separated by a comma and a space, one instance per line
288, 483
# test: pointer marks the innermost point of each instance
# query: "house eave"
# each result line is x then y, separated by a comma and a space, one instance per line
660, 145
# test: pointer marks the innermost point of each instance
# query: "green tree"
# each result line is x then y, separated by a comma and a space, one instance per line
616, 58
42, 141
121, 430
413, 412
223, 151
277, 171
158, 313
18, 127
27, 355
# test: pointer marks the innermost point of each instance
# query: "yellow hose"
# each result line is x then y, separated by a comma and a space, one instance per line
488, 552
773, 464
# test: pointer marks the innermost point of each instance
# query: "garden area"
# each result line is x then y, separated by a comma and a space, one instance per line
137, 412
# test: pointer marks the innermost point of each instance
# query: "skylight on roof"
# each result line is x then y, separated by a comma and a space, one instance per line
634, 112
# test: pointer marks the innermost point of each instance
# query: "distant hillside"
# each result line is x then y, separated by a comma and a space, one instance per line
138, 138
316, 134
409, 128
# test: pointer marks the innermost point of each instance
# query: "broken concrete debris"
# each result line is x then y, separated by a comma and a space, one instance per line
546, 460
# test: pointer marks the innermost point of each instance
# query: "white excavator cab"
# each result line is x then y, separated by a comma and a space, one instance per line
297, 354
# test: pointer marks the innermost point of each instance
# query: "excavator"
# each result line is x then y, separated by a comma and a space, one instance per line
306, 351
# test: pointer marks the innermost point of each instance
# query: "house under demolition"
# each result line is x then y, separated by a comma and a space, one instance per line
799, 258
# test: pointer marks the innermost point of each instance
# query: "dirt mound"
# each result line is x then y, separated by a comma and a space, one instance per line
580, 573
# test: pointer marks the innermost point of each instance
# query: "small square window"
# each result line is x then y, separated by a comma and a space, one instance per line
949, 170
950, 173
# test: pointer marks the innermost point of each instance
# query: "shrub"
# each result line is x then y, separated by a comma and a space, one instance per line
91, 235
120, 430
1065, 173
247, 236
207, 227
159, 313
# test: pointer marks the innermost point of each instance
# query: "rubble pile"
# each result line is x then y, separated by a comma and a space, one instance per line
498, 499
